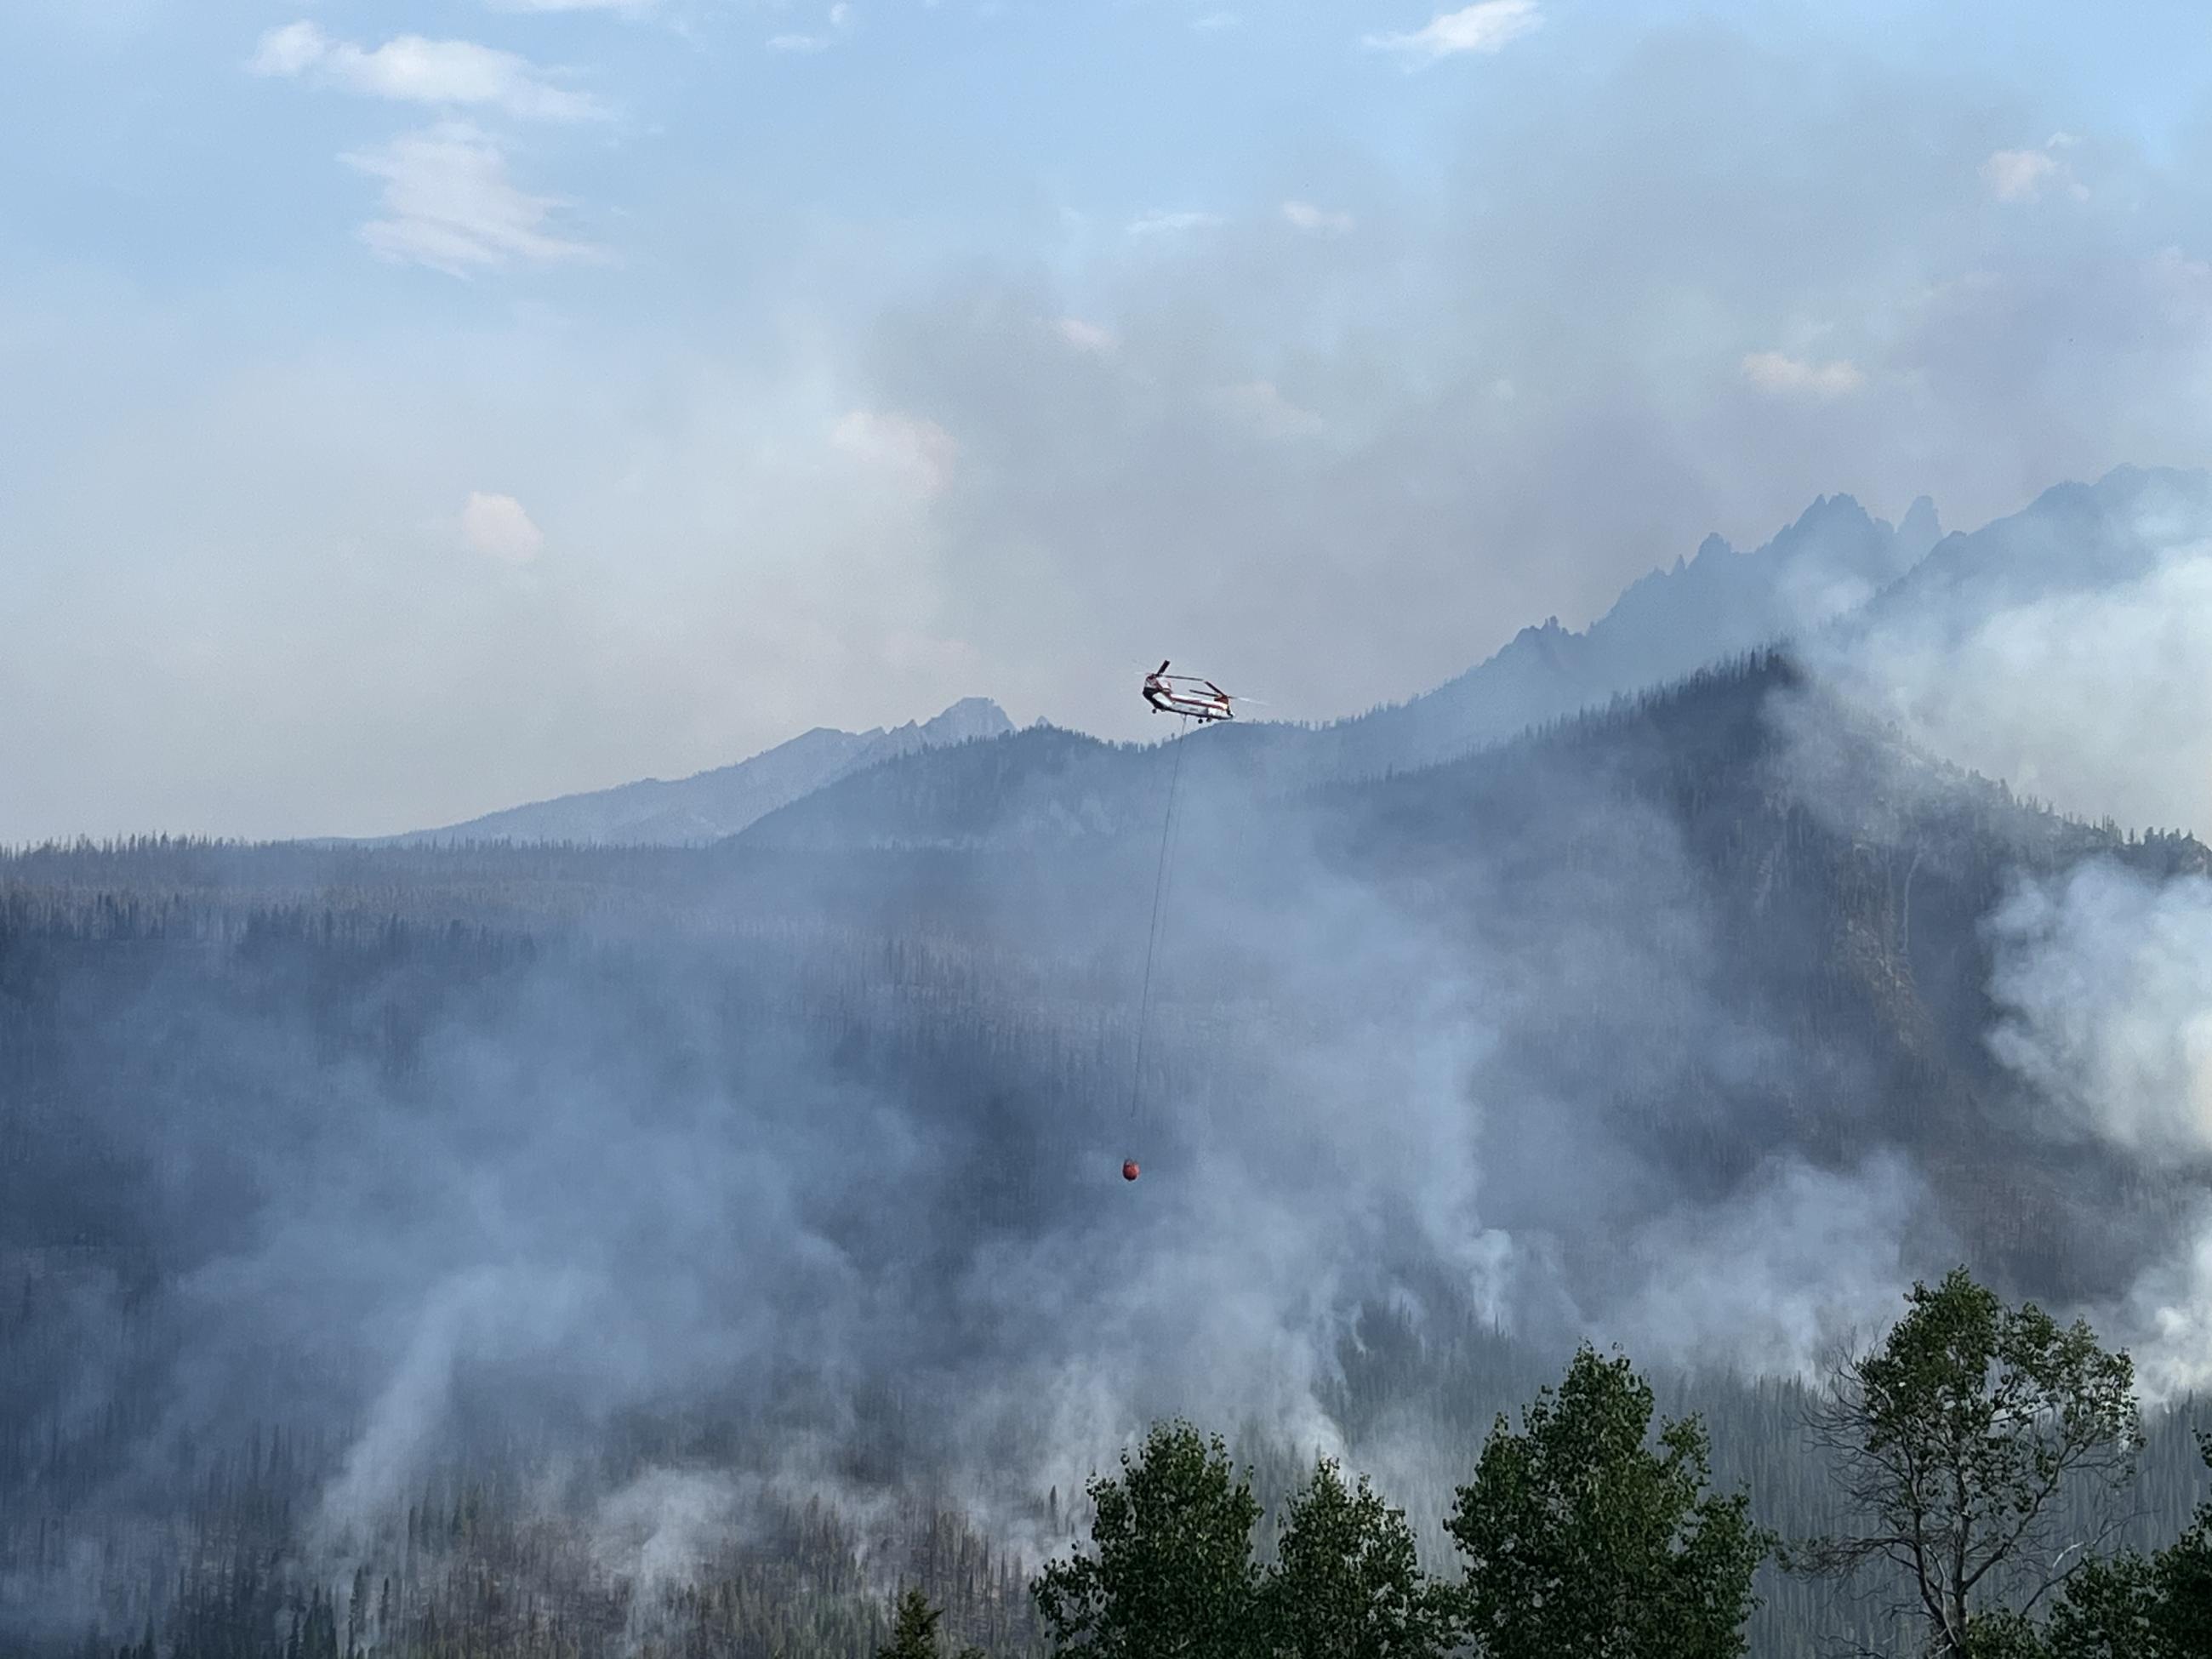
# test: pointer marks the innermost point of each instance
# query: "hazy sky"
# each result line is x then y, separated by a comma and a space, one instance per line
411, 408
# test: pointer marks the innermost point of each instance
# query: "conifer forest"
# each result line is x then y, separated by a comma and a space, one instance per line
554, 1249
1105, 830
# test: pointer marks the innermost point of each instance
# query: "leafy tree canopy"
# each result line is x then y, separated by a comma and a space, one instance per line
2133, 1608
1347, 1583
1170, 1575
1960, 1442
1584, 1541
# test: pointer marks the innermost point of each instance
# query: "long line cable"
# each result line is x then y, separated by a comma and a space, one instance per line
1152, 939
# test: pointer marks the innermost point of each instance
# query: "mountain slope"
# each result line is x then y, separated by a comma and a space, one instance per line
1669, 1023
1665, 625
2072, 538
1837, 578
1728, 924
1833, 560
710, 805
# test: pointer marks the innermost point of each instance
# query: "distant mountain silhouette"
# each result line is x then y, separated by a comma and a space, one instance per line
1719, 605
1830, 562
1835, 571
2072, 538
1671, 977
693, 811
1831, 578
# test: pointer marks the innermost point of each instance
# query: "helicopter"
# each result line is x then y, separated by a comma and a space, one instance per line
1172, 694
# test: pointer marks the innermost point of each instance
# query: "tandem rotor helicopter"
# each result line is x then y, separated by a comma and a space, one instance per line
1191, 698
1162, 691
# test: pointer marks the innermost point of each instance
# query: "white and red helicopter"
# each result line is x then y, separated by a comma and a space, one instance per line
1174, 694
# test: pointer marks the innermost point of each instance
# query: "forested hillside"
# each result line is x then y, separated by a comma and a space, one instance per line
566, 1251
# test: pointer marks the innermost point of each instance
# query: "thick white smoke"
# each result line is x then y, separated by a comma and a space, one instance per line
2105, 979
2065, 651
2170, 1312
1768, 1284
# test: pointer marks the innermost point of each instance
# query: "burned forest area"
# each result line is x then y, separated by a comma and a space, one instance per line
519, 1249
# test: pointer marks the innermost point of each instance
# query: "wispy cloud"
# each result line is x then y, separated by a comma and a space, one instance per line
841, 24
1261, 405
1167, 224
449, 205
291, 50
500, 528
571, 5
1084, 336
2022, 176
1315, 222
1774, 372
919, 452
413, 69
1488, 25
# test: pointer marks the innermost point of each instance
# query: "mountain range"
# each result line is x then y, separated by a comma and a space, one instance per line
708, 805
1673, 621
1836, 569
1721, 602
1832, 580
1704, 1019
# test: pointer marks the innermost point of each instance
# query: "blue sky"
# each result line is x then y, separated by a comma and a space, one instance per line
407, 409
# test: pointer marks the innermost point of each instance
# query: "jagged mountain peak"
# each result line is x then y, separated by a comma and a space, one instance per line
969, 718
2071, 537
1920, 529
1833, 558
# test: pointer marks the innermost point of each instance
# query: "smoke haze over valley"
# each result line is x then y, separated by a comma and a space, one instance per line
680, 1180
461, 1186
